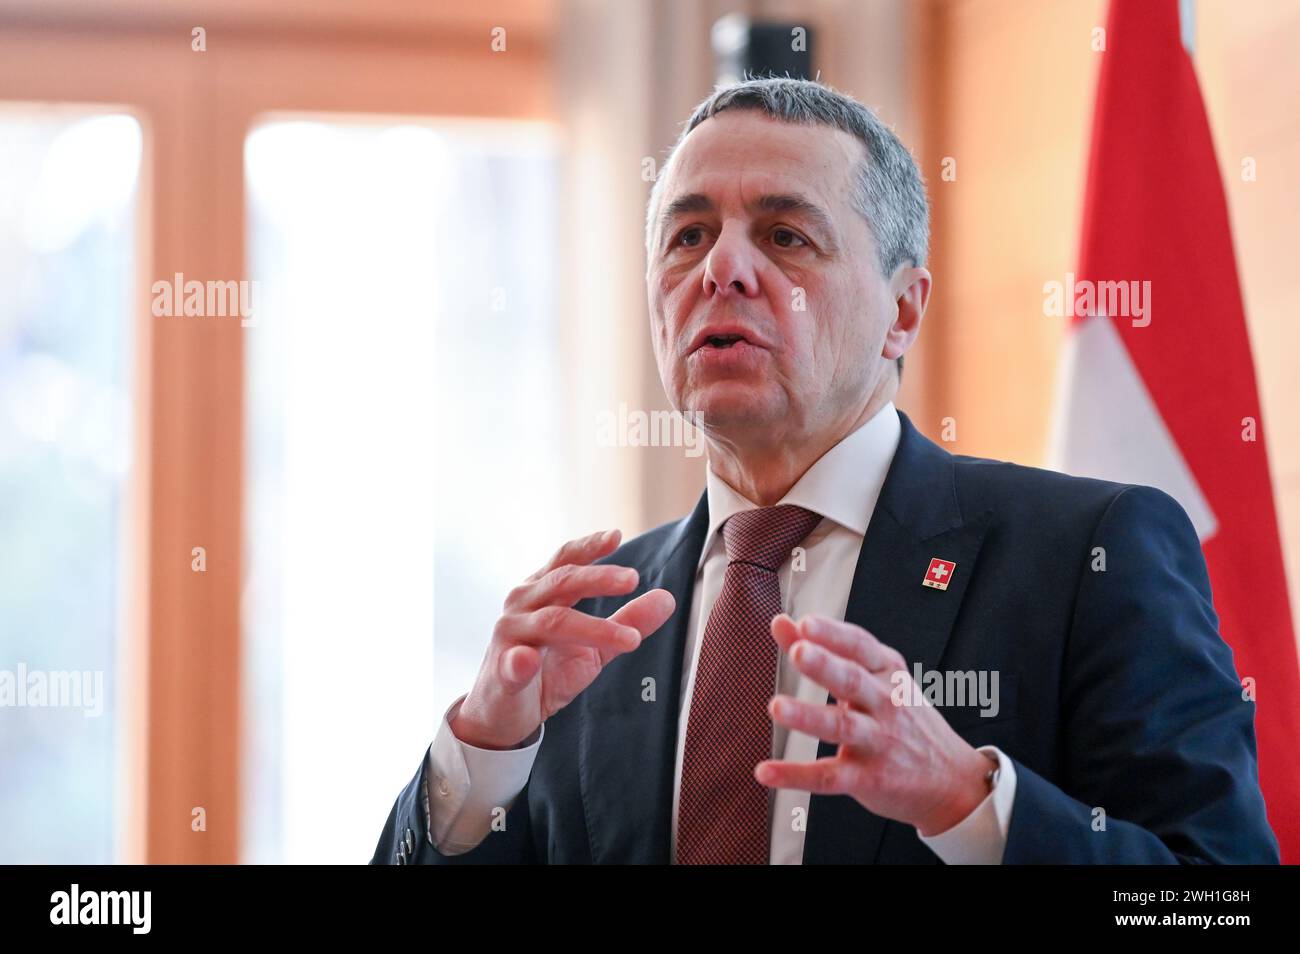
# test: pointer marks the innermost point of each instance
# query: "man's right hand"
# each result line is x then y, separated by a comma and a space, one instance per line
543, 652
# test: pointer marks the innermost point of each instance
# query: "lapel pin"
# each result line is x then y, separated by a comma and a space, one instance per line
940, 573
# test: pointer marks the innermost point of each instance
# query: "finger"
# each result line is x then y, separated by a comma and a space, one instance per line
582, 551
562, 626
843, 678
839, 724
852, 642
519, 666
646, 613
785, 631
828, 776
566, 585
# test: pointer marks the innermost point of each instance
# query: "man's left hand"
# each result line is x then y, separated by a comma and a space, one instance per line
899, 761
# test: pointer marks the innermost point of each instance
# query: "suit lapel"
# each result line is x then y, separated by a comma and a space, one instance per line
628, 745
916, 518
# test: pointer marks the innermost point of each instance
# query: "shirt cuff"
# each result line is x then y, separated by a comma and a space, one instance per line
981, 837
468, 788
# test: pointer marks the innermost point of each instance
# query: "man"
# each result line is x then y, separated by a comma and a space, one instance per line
778, 677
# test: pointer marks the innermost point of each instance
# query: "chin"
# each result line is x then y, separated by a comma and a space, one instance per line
728, 406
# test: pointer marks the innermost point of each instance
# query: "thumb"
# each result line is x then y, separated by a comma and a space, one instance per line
519, 667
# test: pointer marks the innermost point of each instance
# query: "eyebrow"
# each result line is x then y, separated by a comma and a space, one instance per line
775, 202
682, 205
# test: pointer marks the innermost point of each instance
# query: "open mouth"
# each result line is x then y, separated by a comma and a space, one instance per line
731, 337
722, 341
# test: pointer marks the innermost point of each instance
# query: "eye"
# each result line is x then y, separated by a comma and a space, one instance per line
786, 238
690, 237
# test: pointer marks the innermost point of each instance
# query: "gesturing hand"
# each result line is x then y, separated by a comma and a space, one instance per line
543, 652
899, 761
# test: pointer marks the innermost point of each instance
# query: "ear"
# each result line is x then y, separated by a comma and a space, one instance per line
910, 287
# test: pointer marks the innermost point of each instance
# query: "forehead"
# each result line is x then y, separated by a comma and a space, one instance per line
747, 153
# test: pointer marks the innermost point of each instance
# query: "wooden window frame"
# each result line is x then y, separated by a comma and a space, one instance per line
181, 743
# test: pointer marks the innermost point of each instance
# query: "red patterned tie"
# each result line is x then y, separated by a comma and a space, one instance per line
723, 811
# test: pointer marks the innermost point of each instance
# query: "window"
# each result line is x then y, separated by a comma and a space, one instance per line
67, 263
398, 371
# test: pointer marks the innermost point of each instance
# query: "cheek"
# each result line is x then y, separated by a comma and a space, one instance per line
839, 336
675, 301
800, 308
665, 323
829, 325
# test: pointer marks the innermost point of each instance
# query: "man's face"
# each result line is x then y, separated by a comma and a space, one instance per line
757, 237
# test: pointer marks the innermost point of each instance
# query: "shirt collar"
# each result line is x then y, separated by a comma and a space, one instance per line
842, 485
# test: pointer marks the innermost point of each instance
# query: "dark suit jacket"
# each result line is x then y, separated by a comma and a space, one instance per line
1117, 692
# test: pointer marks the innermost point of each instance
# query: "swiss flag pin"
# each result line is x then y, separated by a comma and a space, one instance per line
940, 573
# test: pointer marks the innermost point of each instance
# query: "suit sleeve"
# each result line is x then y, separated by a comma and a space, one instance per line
407, 839
981, 837
1159, 762
470, 789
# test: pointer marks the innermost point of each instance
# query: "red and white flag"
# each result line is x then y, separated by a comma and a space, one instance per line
1159, 386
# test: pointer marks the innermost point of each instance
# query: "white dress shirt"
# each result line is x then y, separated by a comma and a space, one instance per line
466, 783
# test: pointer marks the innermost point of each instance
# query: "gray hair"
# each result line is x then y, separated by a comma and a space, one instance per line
888, 192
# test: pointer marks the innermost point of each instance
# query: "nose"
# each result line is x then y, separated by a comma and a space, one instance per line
730, 266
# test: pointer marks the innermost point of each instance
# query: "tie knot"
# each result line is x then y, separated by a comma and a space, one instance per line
766, 536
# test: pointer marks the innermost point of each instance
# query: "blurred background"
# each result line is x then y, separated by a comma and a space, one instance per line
282, 537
